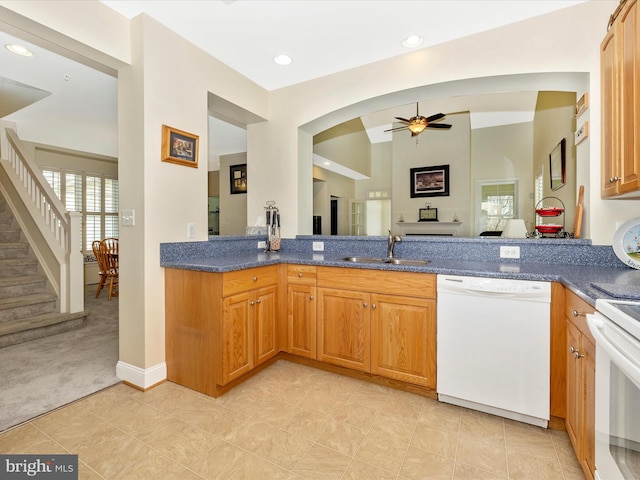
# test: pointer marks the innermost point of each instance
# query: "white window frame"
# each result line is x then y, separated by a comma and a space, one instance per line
478, 202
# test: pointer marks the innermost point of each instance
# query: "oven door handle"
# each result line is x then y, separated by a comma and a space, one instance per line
595, 325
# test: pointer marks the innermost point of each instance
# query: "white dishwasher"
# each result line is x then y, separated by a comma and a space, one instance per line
493, 346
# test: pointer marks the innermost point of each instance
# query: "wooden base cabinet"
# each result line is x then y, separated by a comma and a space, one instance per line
219, 326
403, 338
301, 310
581, 355
378, 322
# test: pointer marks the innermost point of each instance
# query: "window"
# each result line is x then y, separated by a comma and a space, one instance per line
497, 205
94, 196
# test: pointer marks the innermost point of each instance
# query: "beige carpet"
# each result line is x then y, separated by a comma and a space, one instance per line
44, 374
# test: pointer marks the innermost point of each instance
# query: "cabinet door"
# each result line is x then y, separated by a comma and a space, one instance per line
301, 320
344, 330
628, 32
403, 338
237, 336
610, 129
265, 318
574, 389
589, 406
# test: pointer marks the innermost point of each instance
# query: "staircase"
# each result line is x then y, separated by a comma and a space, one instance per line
28, 306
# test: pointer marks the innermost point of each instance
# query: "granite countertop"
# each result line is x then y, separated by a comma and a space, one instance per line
588, 282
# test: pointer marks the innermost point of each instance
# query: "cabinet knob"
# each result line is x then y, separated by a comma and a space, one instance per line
613, 179
252, 302
576, 313
258, 301
365, 305
255, 279
310, 297
373, 305
578, 355
300, 274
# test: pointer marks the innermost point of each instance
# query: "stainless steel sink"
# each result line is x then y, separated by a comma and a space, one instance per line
406, 261
393, 261
364, 260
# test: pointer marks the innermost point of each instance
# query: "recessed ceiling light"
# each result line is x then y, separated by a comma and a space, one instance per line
412, 41
18, 50
282, 59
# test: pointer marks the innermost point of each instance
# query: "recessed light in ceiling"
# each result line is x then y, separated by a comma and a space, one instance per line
282, 59
18, 50
412, 41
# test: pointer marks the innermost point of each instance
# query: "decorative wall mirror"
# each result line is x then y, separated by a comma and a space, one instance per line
557, 165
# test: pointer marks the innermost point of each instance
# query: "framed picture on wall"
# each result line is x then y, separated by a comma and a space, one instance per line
430, 181
557, 165
179, 147
238, 178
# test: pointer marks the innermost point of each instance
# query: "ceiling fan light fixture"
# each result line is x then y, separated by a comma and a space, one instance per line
282, 59
412, 41
19, 50
417, 128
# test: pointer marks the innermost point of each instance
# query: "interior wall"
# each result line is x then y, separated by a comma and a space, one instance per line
233, 208
51, 156
504, 152
337, 186
347, 144
555, 120
434, 147
213, 183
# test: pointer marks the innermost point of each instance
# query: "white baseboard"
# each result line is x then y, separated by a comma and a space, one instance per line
140, 377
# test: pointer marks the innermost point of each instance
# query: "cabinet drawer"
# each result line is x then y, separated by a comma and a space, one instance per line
412, 284
576, 310
301, 274
244, 280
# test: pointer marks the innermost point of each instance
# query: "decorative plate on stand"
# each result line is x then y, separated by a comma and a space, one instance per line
626, 243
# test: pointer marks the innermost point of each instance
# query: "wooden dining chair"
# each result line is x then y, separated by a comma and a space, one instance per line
102, 267
112, 245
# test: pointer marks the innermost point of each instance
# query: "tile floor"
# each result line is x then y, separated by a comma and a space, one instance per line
291, 422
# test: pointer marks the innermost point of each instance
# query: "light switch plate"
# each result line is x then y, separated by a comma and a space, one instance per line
509, 251
129, 218
191, 230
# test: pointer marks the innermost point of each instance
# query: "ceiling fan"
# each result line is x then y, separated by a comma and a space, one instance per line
418, 124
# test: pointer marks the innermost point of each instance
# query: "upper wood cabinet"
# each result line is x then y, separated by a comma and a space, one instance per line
620, 83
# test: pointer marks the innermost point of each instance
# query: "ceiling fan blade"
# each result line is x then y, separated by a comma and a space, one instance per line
397, 128
435, 117
438, 125
403, 119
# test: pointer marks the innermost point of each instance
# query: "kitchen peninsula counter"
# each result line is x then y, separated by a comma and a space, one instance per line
605, 270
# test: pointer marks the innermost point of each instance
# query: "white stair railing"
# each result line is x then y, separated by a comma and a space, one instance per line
60, 229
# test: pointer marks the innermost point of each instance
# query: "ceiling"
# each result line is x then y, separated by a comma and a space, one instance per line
322, 37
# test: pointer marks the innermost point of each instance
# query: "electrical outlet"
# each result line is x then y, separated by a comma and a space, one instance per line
262, 244
318, 246
509, 251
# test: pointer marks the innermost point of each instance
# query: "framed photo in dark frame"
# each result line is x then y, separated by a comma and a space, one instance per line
557, 165
430, 181
238, 178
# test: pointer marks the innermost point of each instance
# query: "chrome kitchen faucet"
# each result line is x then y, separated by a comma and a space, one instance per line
391, 243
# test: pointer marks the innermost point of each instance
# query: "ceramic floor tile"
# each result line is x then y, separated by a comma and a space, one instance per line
438, 442
322, 463
323, 403
211, 417
393, 427
307, 424
187, 474
359, 471
422, 465
133, 459
467, 472
482, 426
27, 439
252, 434
359, 415
441, 415
371, 396
342, 437
285, 449
377, 450
86, 473
523, 466
255, 468
220, 461
482, 455
275, 412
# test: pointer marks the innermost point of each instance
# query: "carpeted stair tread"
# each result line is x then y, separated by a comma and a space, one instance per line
39, 321
21, 280
17, 261
6, 303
